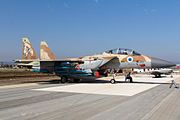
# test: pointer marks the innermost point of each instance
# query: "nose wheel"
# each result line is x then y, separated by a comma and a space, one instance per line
113, 81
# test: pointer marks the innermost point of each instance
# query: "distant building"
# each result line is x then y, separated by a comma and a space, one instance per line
4, 64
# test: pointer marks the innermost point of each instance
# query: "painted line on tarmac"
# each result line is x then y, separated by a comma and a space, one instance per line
19, 85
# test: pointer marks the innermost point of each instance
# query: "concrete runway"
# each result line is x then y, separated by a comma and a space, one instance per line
146, 99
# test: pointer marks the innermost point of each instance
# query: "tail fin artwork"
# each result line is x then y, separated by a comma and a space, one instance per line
45, 52
28, 52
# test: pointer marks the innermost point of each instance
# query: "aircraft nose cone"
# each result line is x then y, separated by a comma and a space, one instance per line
159, 63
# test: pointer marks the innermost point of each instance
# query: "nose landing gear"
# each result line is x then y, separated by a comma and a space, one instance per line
113, 81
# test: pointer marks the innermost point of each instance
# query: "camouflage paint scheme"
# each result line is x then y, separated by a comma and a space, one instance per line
28, 52
29, 56
112, 59
45, 52
121, 59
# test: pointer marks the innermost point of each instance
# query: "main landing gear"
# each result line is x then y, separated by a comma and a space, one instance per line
65, 79
127, 77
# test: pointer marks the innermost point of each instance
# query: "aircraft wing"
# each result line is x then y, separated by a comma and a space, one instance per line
113, 63
52, 66
66, 69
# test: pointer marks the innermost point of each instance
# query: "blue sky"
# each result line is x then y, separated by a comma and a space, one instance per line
83, 27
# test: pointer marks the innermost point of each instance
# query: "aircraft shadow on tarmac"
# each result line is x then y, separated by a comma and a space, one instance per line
160, 77
105, 81
57, 81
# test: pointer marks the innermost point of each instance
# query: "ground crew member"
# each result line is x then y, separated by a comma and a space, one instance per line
128, 77
173, 83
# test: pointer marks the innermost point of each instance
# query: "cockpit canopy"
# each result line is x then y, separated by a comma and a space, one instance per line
122, 51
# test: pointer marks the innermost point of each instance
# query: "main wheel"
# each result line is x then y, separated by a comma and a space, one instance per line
76, 80
63, 79
113, 81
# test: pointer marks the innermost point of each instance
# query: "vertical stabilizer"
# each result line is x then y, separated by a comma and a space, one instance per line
28, 52
45, 52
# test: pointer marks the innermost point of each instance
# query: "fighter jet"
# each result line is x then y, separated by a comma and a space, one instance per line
121, 58
156, 72
112, 59
161, 71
